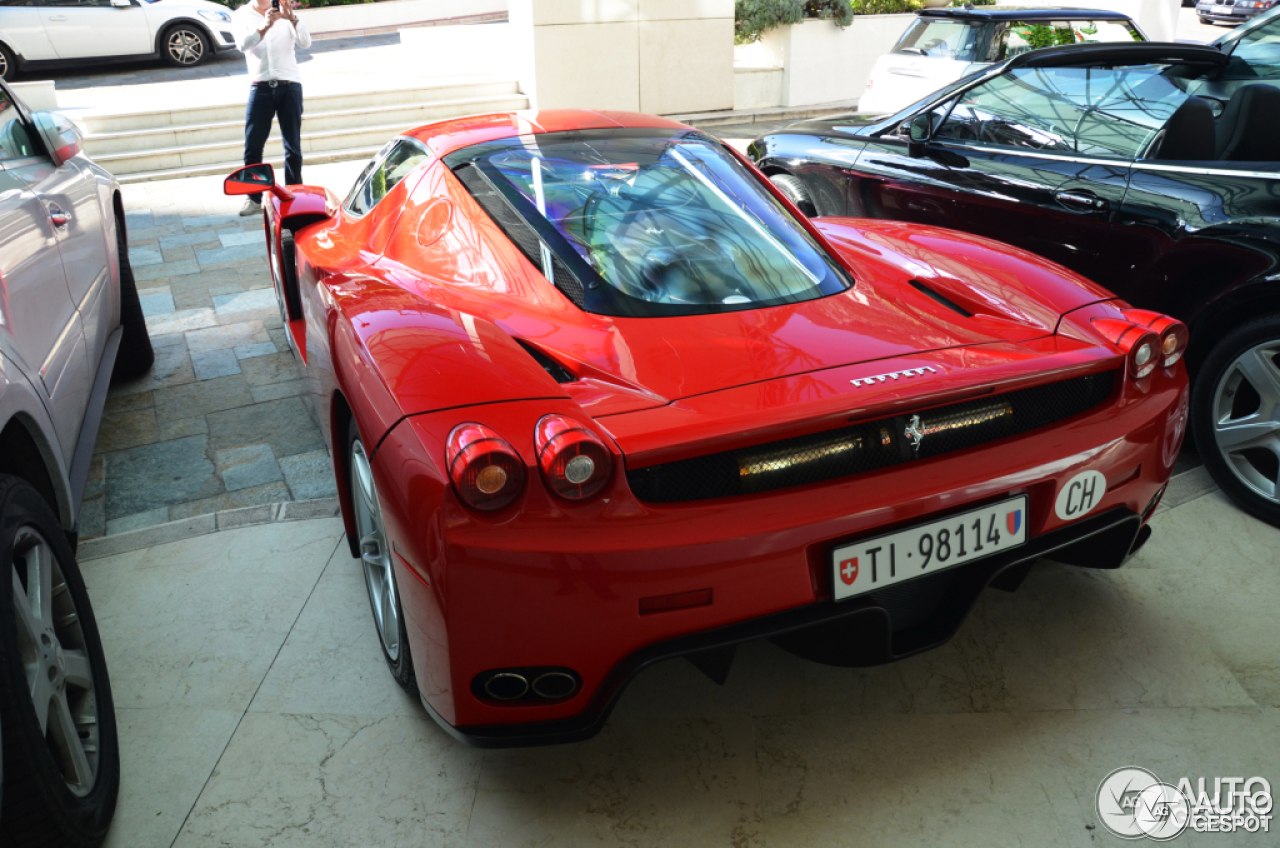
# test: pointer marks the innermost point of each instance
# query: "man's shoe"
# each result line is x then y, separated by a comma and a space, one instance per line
251, 207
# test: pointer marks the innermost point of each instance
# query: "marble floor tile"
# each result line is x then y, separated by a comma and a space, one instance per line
166, 755
1215, 573
936, 780
336, 781
285, 424
659, 782
1074, 638
332, 662
227, 304
180, 321
215, 363
197, 622
227, 336
158, 475
1073, 751
244, 467
309, 475
137, 521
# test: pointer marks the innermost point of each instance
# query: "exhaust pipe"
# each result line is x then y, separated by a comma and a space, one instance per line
554, 685
506, 686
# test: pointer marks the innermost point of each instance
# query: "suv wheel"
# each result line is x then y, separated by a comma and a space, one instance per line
8, 64
1235, 413
60, 748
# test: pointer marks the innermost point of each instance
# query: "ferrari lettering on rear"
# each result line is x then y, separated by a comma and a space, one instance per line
894, 375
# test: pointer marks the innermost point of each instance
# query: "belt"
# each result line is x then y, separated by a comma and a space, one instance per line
274, 83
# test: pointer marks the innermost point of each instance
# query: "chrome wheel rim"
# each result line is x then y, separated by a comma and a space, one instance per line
375, 552
52, 649
1246, 419
4, 66
186, 47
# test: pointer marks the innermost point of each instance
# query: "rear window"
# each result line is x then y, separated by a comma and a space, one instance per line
1022, 36
941, 38
646, 223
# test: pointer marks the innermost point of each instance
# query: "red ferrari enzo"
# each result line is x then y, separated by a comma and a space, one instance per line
598, 395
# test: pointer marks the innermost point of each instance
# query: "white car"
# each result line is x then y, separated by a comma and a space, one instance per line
943, 45
181, 32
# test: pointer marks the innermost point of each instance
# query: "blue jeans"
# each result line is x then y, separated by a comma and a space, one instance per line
284, 103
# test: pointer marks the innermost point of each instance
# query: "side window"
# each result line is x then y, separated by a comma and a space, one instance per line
16, 138
384, 173
1104, 112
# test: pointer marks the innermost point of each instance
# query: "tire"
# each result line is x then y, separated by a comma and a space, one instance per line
185, 46
135, 356
1238, 387
374, 551
289, 275
8, 64
795, 191
41, 806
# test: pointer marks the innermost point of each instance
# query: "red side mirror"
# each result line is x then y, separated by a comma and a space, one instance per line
254, 179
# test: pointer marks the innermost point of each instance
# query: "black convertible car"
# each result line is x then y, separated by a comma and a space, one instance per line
1149, 168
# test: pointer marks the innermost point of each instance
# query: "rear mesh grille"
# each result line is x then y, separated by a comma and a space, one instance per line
867, 446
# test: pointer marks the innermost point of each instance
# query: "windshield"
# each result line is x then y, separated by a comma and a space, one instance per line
1108, 112
642, 223
941, 38
1255, 53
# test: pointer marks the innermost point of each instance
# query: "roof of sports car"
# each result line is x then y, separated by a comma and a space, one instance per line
447, 136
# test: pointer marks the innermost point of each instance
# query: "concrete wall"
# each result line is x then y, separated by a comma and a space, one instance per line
476, 50
821, 62
658, 56
393, 13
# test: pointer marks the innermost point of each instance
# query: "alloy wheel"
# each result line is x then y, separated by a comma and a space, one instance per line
375, 551
1246, 419
186, 47
52, 647
4, 66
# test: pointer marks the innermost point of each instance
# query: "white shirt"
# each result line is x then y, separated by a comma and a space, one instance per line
270, 56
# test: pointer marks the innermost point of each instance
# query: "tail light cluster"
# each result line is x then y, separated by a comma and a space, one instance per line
488, 473
1148, 338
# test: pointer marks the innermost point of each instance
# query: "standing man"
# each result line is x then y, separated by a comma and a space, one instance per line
267, 33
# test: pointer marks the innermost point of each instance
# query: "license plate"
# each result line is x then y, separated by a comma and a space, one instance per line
865, 566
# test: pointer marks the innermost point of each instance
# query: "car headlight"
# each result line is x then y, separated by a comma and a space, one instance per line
215, 16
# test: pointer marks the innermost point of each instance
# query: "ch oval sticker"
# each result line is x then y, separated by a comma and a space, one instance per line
1080, 495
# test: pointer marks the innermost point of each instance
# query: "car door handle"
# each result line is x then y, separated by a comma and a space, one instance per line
59, 218
1080, 201
57, 17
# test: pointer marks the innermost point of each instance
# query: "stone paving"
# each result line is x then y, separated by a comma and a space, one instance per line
222, 421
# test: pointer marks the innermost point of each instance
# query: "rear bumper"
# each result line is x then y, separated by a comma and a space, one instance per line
1103, 541
1227, 14
549, 584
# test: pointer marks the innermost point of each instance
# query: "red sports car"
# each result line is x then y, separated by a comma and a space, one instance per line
599, 395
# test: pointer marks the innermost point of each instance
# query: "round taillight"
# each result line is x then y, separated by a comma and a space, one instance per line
1144, 355
1172, 332
1173, 343
575, 463
485, 469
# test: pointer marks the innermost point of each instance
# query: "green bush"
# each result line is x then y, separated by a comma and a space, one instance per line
753, 18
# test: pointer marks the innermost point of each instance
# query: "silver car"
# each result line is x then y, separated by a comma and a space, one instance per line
70, 320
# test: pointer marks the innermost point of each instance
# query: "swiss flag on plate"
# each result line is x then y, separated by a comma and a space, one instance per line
849, 571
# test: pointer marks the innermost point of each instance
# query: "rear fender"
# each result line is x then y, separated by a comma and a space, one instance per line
395, 355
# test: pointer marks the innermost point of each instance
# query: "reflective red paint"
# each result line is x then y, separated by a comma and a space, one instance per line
418, 317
